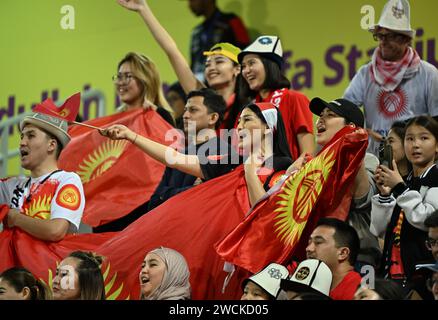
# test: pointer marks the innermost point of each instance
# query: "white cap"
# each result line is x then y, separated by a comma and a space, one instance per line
311, 275
265, 46
396, 16
269, 278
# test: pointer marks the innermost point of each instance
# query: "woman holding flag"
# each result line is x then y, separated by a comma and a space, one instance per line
263, 142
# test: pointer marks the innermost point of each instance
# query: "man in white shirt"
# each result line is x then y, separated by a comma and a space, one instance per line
49, 204
396, 84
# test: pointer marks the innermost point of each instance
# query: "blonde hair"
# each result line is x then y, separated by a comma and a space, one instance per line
146, 72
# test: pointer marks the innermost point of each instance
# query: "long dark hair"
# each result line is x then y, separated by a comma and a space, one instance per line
20, 278
399, 128
90, 276
239, 102
280, 146
274, 79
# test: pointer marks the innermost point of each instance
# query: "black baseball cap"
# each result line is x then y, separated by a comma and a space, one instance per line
341, 107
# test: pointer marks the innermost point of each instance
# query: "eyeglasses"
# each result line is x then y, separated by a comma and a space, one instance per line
430, 283
387, 36
122, 78
430, 243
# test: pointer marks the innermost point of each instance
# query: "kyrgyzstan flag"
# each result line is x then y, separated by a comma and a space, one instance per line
68, 111
117, 176
280, 226
41, 258
190, 222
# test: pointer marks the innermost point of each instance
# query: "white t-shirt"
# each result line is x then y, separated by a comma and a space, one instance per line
54, 195
413, 97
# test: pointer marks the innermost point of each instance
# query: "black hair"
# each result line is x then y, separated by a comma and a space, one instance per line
91, 282
212, 101
281, 146
399, 127
59, 146
239, 102
432, 220
176, 87
427, 122
389, 290
345, 236
20, 278
274, 79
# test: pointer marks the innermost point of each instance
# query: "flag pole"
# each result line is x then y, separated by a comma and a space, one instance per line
86, 125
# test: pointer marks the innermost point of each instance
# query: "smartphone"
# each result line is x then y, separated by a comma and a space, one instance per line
385, 154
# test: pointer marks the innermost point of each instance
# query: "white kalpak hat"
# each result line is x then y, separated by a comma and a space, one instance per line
269, 278
311, 275
396, 16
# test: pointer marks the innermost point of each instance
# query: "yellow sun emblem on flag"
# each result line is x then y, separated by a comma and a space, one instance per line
64, 113
298, 196
111, 292
100, 160
39, 208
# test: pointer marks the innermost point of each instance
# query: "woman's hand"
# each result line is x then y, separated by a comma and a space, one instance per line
387, 179
253, 163
383, 190
118, 132
390, 178
299, 163
134, 5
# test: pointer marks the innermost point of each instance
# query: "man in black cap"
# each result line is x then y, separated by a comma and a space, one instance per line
334, 116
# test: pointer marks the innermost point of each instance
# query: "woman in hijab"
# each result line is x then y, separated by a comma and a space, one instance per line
164, 275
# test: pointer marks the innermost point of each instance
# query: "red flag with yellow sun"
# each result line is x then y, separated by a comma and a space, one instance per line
116, 175
41, 258
280, 226
68, 111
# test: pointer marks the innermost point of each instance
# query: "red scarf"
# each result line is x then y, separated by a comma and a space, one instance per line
390, 74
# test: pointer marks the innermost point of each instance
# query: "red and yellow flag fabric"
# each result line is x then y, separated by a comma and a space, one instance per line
190, 222
116, 175
68, 111
41, 258
280, 226
4, 210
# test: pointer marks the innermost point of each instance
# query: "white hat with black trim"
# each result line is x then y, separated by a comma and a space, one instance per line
311, 275
265, 46
269, 278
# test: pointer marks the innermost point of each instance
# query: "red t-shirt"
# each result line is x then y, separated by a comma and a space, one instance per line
297, 118
347, 287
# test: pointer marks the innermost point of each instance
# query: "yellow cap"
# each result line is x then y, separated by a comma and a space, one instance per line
226, 49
